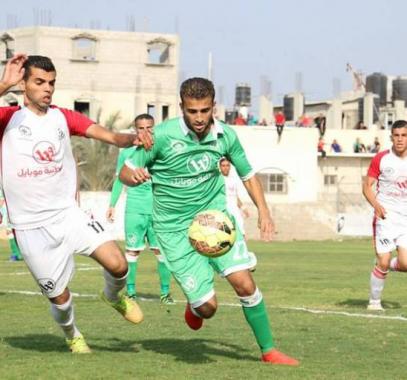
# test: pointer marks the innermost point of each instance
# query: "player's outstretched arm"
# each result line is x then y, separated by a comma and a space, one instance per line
13, 72
265, 222
133, 177
370, 196
121, 140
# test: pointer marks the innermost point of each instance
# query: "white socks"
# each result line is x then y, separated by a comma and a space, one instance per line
64, 316
113, 286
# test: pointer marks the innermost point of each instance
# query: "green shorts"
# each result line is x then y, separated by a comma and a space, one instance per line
195, 272
139, 228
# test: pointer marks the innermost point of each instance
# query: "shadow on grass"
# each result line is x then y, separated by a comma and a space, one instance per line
362, 304
38, 342
196, 351
193, 351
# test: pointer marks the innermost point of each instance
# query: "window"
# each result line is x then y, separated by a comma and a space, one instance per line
84, 47
330, 180
7, 46
158, 52
165, 112
151, 110
82, 107
274, 183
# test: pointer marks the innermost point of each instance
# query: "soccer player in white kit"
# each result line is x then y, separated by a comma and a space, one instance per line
233, 202
39, 182
388, 170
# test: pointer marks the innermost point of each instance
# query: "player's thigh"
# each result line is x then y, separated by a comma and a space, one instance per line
151, 236
48, 257
135, 229
235, 260
384, 237
191, 270
402, 248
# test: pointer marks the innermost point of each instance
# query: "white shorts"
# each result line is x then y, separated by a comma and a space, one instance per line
237, 214
390, 233
48, 251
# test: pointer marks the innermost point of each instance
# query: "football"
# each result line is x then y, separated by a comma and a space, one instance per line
212, 233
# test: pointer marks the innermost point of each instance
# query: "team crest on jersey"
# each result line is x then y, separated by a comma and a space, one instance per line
24, 131
199, 163
61, 134
178, 146
47, 285
45, 152
388, 171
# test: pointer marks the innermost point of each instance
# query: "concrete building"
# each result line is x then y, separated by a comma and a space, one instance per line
104, 71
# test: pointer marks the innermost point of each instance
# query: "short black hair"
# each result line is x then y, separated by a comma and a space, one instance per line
399, 124
197, 88
39, 62
143, 116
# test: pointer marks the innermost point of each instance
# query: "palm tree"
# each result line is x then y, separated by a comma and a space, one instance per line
96, 160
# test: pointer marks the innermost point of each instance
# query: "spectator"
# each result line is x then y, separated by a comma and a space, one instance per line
335, 147
321, 145
360, 125
240, 120
251, 120
263, 122
280, 122
304, 121
320, 123
375, 147
358, 146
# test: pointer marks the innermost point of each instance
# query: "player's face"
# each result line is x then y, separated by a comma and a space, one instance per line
198, 114
38, 89
144, 125
225, 167
399, 140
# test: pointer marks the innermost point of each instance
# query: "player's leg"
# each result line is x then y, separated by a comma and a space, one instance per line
164, 274
132, 262
49, 258
15, 251
384, 242
89, 238
235, 266
115, 267
193, 273
399, 263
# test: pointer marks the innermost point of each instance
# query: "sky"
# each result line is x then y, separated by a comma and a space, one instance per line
297, 44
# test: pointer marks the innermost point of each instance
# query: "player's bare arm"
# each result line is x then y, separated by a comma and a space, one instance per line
13, 72
265, 222
370, 196
121, 140
133, 177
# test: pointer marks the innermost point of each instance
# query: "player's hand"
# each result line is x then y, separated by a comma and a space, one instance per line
110, 214
144, 138
380, 211
140, 175
14, 71
266, 226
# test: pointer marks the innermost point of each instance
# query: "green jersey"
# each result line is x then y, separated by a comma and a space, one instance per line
140, 198
185, 172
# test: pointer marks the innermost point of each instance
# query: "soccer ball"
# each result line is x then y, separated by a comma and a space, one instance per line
212, 233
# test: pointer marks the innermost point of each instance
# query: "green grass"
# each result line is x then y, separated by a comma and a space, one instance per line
328, 276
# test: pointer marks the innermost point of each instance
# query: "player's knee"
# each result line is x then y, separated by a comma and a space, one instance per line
118, 268
62, 298
245, 288
251, 300
207, 310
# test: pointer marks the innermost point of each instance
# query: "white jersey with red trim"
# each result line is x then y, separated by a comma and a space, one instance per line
390, 171
37, 165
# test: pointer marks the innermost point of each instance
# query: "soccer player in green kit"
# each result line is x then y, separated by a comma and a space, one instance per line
138, 220
183, 165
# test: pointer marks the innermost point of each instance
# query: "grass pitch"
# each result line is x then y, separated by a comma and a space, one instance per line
316, 293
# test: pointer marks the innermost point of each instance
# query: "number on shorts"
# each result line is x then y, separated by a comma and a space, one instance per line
96, 226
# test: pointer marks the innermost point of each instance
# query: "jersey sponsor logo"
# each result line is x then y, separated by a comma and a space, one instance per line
44, 152
187, 182
188, 283
47, 285
199, 163
178, 146
401, 183
49, 171
24, 131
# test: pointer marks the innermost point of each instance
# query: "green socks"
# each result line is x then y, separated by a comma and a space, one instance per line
165, 277
131, 278
256, 317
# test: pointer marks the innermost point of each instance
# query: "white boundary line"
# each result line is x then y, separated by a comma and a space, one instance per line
291, 308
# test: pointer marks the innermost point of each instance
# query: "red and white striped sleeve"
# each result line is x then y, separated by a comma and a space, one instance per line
374, 168
77, 122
